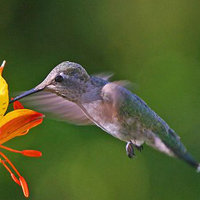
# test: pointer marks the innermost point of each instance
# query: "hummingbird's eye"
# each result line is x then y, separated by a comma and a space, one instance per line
59, 79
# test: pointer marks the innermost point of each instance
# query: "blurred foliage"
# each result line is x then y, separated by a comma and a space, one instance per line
152, 43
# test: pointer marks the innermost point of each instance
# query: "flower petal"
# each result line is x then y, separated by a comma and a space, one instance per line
4, 100
17, 123
2, 67
17, 105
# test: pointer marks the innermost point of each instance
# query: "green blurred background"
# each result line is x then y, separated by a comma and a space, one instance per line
152, 43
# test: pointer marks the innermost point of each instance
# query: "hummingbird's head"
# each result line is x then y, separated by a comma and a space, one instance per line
65, 76
67, 79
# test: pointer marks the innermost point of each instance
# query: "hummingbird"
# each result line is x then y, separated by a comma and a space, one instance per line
74, 95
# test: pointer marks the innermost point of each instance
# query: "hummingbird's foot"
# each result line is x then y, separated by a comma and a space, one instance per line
130, 149
140, 148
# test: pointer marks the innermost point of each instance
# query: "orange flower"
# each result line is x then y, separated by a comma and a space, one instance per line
15, 123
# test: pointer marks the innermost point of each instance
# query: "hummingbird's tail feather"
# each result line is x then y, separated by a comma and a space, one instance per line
198, 168
187, 157
173, 142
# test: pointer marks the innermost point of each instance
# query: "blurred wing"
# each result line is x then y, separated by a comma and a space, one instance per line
57, 108
124, 83
112, 93
104, 75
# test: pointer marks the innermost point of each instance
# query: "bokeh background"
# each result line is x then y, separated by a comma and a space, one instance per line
155, 44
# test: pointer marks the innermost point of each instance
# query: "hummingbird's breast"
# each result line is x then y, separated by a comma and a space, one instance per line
117, 111
110, 121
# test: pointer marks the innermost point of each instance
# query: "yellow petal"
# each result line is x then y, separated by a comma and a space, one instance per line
4, 99
17, 123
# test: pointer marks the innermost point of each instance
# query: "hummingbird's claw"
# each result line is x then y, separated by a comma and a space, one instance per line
140, 148
130, 149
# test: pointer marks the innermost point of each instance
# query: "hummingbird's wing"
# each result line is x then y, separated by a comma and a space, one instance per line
104, 75
112, 93
58, 108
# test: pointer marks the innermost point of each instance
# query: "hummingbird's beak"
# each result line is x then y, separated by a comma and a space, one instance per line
32, 91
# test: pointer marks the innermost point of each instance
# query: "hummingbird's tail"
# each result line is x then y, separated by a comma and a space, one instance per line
198, 169
174, 143
187, 157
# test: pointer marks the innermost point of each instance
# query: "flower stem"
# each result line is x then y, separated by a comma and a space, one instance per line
9, 149
5, 157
